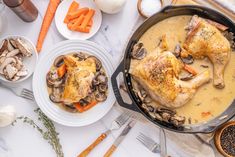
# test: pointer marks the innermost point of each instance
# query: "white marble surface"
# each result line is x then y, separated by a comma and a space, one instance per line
23, 141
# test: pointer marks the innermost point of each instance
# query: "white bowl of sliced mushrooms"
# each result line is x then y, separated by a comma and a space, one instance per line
18, 57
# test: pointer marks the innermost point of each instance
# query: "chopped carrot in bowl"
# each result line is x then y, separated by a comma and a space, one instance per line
79, 19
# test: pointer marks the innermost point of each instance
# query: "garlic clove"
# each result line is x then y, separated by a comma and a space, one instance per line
7, 115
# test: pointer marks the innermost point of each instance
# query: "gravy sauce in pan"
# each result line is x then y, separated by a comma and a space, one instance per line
208, 102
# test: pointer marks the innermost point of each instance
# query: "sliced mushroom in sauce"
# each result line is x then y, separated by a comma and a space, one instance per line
81, 56
97, 62
100, 97
59, 61
177, 50
187, 60
138, 51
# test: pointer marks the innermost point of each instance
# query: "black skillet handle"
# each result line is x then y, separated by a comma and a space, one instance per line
116, 89
172, 8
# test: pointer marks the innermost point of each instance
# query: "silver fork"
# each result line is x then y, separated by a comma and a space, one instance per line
116, 124
148, 143
20, 91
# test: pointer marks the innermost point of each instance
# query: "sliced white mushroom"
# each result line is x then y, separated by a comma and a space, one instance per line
2, 59
13, 42
6, 62
13, 53
10, 71
22, 73
4, 53
9, 46
3, 46
15, 78
19, 64
23, 47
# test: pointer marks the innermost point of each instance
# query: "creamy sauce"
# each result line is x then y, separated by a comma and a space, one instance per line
208, 102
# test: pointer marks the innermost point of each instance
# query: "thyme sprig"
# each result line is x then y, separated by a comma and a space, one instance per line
49, 133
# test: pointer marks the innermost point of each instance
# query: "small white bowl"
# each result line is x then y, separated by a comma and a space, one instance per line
29, 62
62, 27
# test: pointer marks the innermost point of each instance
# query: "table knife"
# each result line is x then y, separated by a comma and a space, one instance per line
163, 151
116, 124
119, 139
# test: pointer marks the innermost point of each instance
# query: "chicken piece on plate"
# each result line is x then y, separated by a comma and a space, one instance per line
205, 40
79, 79
158, 73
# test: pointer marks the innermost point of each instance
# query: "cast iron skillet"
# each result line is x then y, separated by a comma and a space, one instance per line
123, 67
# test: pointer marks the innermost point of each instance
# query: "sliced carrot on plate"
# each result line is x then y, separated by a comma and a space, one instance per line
74, 20
61, 70
77, 13
78, 22
73, 7
89, 106
69, 25
86, 30
81, 108
88, 17
90, 23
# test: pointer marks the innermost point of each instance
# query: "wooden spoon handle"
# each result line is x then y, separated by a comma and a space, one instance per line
110, 151
93, 145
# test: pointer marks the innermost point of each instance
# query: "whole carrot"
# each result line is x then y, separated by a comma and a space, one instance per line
48, 17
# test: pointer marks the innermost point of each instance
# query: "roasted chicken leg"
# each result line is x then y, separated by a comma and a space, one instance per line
158, 74
205, 40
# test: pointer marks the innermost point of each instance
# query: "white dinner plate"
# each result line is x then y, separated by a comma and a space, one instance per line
62, 27
41, 95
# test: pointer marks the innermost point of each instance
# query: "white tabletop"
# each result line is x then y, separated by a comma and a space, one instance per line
24, 141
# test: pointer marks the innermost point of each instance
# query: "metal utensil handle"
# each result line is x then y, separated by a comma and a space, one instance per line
163, 148
116, 89
93, 145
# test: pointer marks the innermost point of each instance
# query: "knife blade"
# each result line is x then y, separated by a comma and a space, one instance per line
163, 151
120, 138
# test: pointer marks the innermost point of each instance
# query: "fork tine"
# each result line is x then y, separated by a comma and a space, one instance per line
122, 119
148, 142
27, 90
147, 138
24, 91
27, 97
144, 142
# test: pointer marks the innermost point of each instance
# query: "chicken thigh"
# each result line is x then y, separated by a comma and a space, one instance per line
158, 74
205, 40
78, 82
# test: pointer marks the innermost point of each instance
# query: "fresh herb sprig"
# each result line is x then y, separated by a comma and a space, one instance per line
49, 133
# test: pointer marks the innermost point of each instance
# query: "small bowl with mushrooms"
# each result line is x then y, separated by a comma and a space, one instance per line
18, 57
